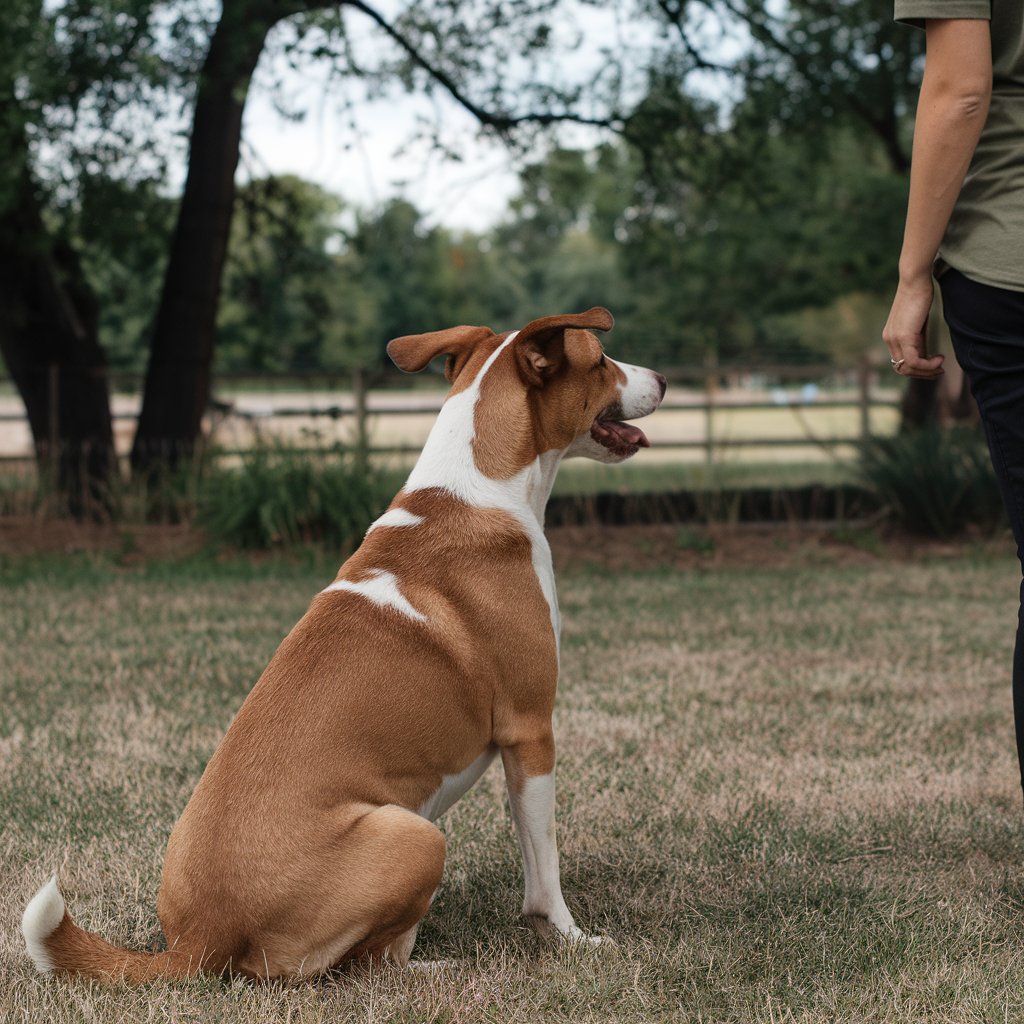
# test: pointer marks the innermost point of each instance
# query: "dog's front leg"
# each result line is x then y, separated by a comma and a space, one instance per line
532, 798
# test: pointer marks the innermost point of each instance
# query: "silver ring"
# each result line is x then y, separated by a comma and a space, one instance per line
897, 363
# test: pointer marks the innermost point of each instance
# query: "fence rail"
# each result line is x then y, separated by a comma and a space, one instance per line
715, 393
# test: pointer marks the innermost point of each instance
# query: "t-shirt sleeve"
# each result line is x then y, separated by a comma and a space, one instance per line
914, 12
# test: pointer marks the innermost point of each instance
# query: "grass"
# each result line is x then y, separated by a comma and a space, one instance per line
788, 793
19, 496
935, 481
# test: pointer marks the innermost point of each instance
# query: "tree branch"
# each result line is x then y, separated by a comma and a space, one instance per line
502, 123
882, 124
673, 12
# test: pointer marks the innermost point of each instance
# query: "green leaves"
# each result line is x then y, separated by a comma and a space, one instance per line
935, 481
280, 498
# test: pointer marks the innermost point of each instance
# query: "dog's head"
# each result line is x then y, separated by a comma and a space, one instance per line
546, 387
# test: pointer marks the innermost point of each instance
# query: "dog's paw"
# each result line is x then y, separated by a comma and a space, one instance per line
581, 938
430, 967
569, 936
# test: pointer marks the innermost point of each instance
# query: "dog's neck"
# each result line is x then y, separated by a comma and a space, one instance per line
447, 462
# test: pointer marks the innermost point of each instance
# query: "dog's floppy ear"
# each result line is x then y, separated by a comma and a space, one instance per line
413, 351
540, 345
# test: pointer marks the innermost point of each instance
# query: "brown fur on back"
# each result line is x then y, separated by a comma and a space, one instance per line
407, 701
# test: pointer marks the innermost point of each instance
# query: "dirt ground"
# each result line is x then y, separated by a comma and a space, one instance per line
670, 545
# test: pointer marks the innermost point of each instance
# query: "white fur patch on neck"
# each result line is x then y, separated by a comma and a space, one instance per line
382, 589
447, 463
395, 517
447, 459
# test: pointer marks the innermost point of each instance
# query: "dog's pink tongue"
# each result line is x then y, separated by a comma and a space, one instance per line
620, 433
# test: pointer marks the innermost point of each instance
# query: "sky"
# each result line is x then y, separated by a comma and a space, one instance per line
359, 148
374, 162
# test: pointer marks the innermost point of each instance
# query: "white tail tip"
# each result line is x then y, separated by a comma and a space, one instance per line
39, 922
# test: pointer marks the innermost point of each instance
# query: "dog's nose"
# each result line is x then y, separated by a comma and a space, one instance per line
662, 383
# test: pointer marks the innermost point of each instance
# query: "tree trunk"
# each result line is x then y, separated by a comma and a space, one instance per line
178, 375
48, 338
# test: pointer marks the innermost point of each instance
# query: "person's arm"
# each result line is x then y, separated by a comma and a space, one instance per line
951, 112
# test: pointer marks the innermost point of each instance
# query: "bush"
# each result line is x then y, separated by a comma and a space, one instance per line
279, 497
935, 481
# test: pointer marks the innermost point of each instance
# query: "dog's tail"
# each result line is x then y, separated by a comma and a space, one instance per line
55, 943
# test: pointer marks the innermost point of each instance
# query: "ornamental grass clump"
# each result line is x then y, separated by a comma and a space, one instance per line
935, 481
278, 497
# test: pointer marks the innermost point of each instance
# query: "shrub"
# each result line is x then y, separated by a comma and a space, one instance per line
935, 481
279, 497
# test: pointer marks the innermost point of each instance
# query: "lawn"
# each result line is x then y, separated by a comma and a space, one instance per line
787, 790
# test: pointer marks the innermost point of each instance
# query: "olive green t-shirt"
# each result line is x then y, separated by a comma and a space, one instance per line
985, 237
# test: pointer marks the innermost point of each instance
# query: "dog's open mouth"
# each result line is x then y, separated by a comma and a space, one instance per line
618, 437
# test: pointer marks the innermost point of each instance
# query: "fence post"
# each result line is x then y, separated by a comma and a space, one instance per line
362, 433
864, 397
53, 425
710, 388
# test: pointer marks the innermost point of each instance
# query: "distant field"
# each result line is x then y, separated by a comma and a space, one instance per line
788, 792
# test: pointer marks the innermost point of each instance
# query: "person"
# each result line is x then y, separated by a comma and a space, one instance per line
965, 223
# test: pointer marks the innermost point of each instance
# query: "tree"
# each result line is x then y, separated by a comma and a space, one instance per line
75, 67
55, 66
439, 46
281, 307
811, 69
177, 383
695, 261
48, 338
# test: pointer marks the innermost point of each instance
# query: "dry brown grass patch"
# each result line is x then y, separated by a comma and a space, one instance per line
787, 791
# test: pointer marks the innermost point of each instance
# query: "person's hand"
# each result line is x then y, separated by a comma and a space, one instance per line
905, 330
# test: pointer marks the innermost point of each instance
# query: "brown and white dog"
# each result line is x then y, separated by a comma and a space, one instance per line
309, 838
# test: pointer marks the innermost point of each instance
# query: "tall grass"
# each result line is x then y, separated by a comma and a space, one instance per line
279, 497
936, 481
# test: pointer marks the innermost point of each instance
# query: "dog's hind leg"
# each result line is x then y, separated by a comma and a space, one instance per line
363, 892
403, 858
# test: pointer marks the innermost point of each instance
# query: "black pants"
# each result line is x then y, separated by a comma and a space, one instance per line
987, 327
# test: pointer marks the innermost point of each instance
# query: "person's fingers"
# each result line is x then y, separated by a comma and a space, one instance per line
916, 365
924, 363
891, 344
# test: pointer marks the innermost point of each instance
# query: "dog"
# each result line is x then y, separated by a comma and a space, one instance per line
309, 840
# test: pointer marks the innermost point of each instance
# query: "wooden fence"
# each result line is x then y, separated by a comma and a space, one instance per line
348, 400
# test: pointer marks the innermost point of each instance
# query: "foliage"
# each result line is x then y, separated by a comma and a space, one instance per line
280, 497
696, 263
414, 277
935, 481
799, 69
287, 303
122, 229
310, 286
755, 178
756, 182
